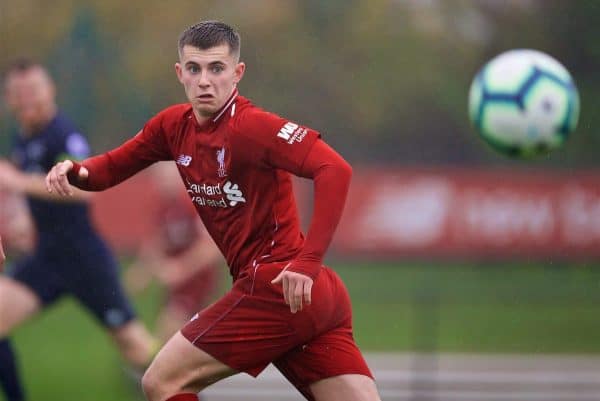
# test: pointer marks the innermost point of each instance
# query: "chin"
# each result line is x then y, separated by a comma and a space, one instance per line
205, 110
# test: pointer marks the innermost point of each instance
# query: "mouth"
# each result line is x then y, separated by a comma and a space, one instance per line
204, 98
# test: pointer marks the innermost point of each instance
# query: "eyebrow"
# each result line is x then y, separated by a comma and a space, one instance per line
211, 63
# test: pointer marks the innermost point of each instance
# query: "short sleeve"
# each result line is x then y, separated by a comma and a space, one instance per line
280, 143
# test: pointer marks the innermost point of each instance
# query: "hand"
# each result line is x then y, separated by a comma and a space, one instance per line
172, 273
11, 179
137, 277
296, 288
56, 180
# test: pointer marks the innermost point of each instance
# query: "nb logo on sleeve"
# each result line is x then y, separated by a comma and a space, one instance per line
184, 160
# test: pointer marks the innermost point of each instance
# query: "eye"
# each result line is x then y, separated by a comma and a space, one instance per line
194, 69
217, 68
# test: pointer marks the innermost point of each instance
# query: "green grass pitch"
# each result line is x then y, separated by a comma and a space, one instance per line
511, 308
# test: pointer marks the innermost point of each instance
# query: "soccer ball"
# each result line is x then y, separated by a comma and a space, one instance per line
524, 103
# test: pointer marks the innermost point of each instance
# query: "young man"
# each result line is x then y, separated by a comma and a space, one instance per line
235, 160
179, 253
70, 257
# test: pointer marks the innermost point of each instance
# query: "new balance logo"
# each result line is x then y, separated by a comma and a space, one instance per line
234, 195
184, 160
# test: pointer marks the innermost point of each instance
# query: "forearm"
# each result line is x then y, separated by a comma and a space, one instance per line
203, 255
111, 168
331, 175
34, 185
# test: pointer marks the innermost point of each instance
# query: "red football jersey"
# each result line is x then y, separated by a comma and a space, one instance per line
236, 171
177, 225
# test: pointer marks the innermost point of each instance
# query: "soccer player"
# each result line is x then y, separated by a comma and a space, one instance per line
179, 254
70, 257
235, 160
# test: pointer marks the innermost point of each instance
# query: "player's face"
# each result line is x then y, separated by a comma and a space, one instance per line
209, 77
30, 96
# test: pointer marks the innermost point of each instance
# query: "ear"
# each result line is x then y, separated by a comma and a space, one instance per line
179, 72
240, 68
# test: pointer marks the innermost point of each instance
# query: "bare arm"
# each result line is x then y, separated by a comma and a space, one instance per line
200, 256
32, 184
146, 266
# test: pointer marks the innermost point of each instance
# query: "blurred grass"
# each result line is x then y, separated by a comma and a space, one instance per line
516, 308
503, 308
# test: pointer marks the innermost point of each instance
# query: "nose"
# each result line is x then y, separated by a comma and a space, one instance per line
203, 81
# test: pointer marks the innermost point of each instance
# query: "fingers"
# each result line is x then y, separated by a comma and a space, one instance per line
56, 180
297, 293
83, 173
308, 292
296, 289
286, 288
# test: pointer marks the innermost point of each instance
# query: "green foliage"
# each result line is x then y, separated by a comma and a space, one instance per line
388, 76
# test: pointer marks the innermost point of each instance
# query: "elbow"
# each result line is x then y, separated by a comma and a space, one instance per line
344, 170
341, 171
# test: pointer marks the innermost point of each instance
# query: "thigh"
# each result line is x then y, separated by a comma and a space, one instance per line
180, 367
332, 354
251, 326
39, 274
347, 387
94, 280
17, 303
242, 331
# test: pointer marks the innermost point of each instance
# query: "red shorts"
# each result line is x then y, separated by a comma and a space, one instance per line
251, 326
195, 293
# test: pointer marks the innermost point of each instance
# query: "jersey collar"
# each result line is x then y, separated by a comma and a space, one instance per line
217, 116
227, 105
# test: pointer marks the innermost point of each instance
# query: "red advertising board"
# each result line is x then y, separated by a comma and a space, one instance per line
444, 212
454, 212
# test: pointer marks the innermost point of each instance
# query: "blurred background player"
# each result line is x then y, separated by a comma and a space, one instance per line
69, 257
179, 254
16, 225
18, 234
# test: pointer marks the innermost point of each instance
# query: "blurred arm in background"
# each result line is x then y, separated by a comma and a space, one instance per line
32, 184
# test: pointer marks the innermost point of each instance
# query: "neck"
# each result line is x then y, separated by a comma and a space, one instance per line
202, 118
